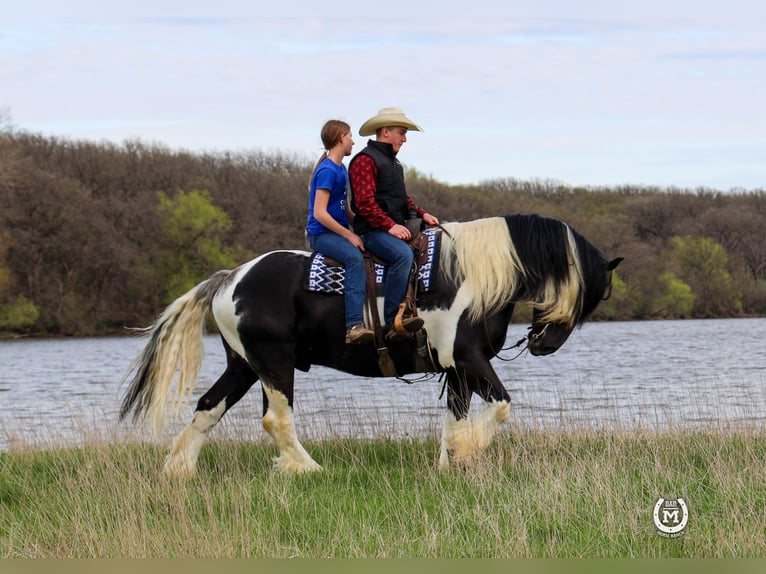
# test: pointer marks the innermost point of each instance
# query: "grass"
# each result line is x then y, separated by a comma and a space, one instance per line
533, 494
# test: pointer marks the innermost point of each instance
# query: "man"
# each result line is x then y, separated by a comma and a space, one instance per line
381, 205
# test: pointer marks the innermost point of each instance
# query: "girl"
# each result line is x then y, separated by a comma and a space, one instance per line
327, 229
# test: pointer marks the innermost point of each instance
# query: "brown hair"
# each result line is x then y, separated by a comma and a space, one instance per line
331, 133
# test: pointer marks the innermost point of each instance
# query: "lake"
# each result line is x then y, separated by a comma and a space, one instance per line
616, 375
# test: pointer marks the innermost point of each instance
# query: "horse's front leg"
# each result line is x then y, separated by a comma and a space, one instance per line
464, 437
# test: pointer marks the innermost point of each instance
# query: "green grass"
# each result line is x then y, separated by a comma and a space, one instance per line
533, 494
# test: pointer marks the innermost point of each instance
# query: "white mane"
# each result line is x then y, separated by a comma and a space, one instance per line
481, 255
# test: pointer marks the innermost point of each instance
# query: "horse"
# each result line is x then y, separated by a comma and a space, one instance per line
270, 325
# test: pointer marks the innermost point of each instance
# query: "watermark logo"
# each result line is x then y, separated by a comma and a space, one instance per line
670, 517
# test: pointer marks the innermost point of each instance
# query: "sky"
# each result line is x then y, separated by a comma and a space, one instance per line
587, 93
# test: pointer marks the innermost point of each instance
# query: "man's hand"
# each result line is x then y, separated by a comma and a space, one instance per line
400, 231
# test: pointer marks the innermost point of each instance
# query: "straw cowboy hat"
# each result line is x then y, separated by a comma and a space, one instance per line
388, 117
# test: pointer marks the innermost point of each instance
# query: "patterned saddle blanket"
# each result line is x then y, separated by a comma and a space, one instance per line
325, 278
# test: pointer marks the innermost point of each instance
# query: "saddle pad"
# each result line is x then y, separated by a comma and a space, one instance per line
324, 278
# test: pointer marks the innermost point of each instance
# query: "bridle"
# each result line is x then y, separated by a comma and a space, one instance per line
529, 337
540, 334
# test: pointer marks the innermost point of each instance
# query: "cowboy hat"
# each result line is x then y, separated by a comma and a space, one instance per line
388, 117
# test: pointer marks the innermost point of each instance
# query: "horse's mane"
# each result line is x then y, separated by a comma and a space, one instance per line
525, 258
481, 255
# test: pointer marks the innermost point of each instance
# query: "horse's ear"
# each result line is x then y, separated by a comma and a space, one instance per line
613, 263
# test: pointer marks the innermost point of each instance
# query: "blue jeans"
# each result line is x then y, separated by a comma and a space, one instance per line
333, 245
399, 256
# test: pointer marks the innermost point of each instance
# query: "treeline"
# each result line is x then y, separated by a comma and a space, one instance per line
96, 236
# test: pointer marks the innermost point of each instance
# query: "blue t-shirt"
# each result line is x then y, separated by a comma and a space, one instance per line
333, 177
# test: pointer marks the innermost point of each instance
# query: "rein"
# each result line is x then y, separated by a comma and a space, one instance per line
421, 378
518, 344
447, 233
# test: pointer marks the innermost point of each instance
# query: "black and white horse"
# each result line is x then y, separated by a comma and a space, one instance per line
271, 325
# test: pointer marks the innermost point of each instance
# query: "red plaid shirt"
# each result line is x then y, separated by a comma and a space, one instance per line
364, 176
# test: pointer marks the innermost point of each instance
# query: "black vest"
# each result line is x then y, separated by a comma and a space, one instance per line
390, 194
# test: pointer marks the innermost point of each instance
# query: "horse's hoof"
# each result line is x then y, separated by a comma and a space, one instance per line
174, 473
178, 467
294, 467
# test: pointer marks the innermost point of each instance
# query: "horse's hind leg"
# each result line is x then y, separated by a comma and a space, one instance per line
279, 422
272, 357
277, 376
228, 389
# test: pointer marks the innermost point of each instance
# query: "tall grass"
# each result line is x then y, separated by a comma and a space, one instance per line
534, 493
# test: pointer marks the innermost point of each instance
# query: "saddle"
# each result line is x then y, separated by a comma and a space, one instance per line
419, 244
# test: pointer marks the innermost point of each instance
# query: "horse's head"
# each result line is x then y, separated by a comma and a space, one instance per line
547, 336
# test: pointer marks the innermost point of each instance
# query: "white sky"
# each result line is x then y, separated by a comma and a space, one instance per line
585, 93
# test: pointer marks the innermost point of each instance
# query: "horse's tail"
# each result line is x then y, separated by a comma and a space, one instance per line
175, 346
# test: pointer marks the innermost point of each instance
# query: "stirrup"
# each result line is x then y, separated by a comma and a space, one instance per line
409, 325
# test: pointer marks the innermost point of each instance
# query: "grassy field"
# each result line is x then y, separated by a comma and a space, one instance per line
534, 494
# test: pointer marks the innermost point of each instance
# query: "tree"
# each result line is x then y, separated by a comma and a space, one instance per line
192, 232
703, 264
9, 162
738, 227
16, 311
678, 299
617, 306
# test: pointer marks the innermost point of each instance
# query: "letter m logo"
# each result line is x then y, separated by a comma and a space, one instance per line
670, 516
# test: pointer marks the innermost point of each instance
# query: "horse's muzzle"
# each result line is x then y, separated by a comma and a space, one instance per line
547, 339
541, 350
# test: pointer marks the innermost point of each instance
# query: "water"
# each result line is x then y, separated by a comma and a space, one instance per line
654, 374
